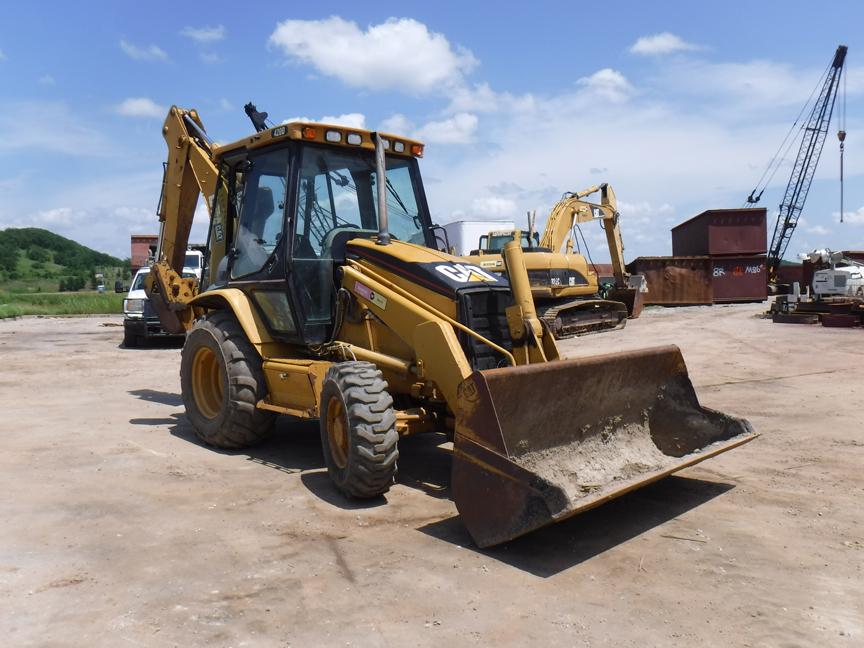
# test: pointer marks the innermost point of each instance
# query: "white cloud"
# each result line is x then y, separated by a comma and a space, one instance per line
644, 212
397, 124
121, 204
458, 129
351, 120
482, 98
46, 80
22, 130
607, 83
853, 218
493, 207
225, 105
205, 34
2, 55
664, 43
210, 58
398, 54
112, 235
147, 53
140, 107
757, 84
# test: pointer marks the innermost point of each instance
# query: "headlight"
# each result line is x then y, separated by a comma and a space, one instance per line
133, 305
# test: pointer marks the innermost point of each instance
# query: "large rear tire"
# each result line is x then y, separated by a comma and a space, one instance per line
358, 429
222, 381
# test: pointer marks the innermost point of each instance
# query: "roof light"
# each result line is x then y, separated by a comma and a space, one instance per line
386, 143
355, 138
417, 149
309, 133
333, 136
399, 147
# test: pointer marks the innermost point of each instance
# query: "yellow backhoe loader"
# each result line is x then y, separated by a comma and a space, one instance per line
566, 290
324, 296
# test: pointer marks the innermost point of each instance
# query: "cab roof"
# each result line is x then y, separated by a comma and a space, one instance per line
330, 134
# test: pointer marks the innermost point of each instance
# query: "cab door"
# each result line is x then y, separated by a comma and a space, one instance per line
256, 260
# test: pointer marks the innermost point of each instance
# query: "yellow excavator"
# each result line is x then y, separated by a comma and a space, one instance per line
567, 292
324, 296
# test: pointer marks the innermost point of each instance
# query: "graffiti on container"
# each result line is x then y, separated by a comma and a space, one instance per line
739, 270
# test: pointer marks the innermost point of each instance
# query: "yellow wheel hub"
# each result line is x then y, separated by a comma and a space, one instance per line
337, 432
207, 386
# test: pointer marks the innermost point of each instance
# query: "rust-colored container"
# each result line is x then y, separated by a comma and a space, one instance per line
789, 273
854, 255
675, 281
722, 232
739, 279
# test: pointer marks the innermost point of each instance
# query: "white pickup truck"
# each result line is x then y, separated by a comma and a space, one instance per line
140, 322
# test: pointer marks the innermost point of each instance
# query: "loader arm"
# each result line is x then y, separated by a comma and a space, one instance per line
189, 173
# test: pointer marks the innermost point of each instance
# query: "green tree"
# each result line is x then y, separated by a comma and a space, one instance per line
8, 258
38, 254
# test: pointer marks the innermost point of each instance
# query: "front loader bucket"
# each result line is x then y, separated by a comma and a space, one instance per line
539, 443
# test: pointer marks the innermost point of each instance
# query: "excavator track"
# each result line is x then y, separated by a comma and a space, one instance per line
582, 317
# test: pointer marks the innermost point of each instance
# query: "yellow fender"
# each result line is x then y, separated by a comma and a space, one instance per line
239, 304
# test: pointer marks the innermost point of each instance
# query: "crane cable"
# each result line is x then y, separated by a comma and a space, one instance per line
841, 135
777, 160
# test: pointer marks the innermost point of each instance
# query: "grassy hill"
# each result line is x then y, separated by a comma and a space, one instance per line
36, 260
42, 273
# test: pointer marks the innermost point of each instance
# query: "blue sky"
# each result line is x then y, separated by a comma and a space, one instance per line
678, 104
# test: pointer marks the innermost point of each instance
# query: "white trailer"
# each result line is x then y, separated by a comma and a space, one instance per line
464, 236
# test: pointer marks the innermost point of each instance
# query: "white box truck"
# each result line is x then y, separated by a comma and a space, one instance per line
465, 235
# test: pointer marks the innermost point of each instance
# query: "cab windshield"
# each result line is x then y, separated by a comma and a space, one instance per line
140, 278
496, 242
337, 195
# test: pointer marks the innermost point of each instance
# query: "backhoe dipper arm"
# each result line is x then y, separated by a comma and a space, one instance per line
189, 172
609, 208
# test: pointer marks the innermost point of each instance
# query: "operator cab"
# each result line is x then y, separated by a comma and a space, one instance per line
494, 242
284, 212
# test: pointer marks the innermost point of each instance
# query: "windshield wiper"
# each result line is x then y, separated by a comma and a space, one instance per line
396, 197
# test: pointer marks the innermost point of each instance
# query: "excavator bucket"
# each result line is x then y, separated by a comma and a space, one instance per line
536, 444
632, 298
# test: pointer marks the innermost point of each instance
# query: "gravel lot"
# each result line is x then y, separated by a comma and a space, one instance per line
117, 528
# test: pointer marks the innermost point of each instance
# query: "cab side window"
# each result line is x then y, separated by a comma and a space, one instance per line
259, 229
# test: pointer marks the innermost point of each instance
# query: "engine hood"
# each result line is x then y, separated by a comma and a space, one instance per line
434, 270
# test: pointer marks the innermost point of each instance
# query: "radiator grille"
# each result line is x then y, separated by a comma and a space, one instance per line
482, 310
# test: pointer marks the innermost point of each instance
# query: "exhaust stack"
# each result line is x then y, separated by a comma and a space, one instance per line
381, 183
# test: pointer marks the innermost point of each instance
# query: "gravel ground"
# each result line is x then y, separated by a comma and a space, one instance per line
118, 528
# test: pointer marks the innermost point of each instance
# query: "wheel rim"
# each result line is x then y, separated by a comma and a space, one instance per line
207, 386
337, 432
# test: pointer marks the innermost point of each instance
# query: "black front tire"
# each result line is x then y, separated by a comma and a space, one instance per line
233, 421
357, 408
130, 339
